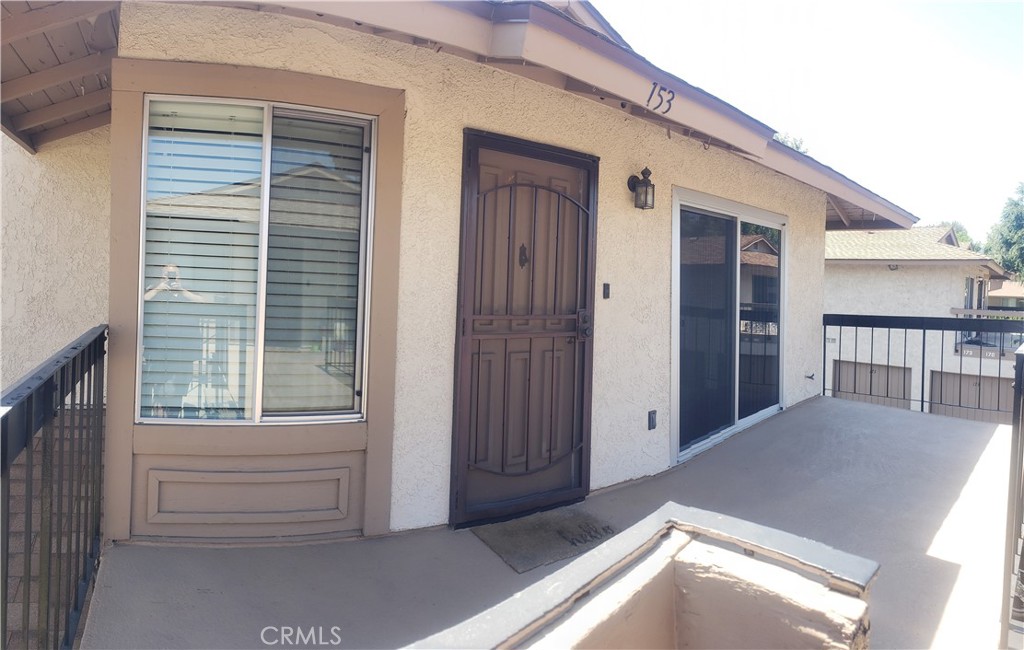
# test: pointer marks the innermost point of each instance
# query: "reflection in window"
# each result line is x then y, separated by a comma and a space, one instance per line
212, 242
760, 253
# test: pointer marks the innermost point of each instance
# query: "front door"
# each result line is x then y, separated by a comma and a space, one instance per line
524, 347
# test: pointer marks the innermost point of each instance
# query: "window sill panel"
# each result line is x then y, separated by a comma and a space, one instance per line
200, 440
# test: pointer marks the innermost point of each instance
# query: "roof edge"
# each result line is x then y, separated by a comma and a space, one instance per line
530, 30
854, 191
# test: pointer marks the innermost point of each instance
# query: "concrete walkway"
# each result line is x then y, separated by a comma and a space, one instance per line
924, 495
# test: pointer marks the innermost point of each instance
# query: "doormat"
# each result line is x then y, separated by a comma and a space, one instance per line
545, 537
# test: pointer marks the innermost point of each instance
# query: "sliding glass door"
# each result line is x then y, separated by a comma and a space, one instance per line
707, 270
758, 380
728, 290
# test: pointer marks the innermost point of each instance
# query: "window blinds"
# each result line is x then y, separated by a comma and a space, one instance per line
204, 215
313, 269
202, 248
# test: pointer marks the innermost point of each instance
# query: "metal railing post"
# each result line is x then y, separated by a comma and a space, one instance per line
824, 355
924, 364
1013, 590
45, 537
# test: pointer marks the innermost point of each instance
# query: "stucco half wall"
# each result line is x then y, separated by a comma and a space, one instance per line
56, 234
445, 94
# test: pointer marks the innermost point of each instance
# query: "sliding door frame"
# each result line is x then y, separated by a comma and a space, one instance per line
738, 213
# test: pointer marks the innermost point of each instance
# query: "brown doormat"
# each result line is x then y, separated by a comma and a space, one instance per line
545, 537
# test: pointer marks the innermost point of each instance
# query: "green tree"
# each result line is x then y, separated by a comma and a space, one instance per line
791, 141
1006, 239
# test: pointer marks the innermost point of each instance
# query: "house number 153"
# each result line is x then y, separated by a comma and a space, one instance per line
664, 97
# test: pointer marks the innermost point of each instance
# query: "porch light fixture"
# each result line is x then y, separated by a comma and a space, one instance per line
642, 189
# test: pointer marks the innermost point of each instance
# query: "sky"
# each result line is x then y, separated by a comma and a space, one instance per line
920, 101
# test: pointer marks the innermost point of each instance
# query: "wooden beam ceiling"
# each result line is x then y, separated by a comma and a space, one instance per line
12, 133
36, 21
58, 74
61, 110
841, 212
64, 130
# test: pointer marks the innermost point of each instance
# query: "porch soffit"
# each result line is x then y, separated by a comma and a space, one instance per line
55, 77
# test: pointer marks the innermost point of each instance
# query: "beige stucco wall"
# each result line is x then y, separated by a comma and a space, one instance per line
55, 234
924, 290
444, 95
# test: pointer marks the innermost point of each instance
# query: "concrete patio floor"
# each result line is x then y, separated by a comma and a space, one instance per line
923, 495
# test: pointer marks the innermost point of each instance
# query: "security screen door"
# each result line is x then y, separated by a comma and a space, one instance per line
525, 326
729, 297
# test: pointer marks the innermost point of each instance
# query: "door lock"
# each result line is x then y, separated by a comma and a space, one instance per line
584, 324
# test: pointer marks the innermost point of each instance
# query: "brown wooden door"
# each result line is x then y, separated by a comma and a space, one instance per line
524, 350
872, 383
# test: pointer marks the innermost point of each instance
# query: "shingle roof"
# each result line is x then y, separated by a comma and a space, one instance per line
924, 244
1008, 290
711, 250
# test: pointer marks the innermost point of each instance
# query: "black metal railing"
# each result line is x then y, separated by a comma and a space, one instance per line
1013, 576
50, 453
988, 344
958, 367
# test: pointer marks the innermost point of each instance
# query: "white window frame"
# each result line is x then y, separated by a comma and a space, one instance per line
361, 357
740, 213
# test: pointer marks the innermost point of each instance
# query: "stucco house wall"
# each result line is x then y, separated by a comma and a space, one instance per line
910, 290
55, 234
445, 94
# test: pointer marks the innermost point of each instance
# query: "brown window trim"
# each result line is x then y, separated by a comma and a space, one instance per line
131, 80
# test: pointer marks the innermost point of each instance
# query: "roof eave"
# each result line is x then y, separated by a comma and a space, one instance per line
995, 271
540, 35
802, 167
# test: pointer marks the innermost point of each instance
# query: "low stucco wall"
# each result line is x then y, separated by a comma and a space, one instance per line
707, 596
725, 599
445, 94
683, 590
55, 237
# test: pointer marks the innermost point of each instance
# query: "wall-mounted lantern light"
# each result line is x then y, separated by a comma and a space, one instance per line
642, 189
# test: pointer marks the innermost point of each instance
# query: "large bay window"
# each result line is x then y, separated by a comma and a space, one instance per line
254, 261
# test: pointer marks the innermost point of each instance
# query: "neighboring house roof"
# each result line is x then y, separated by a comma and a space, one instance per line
757, 243
1008, 289
933, 245
241, 202
565, 43
711, 250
